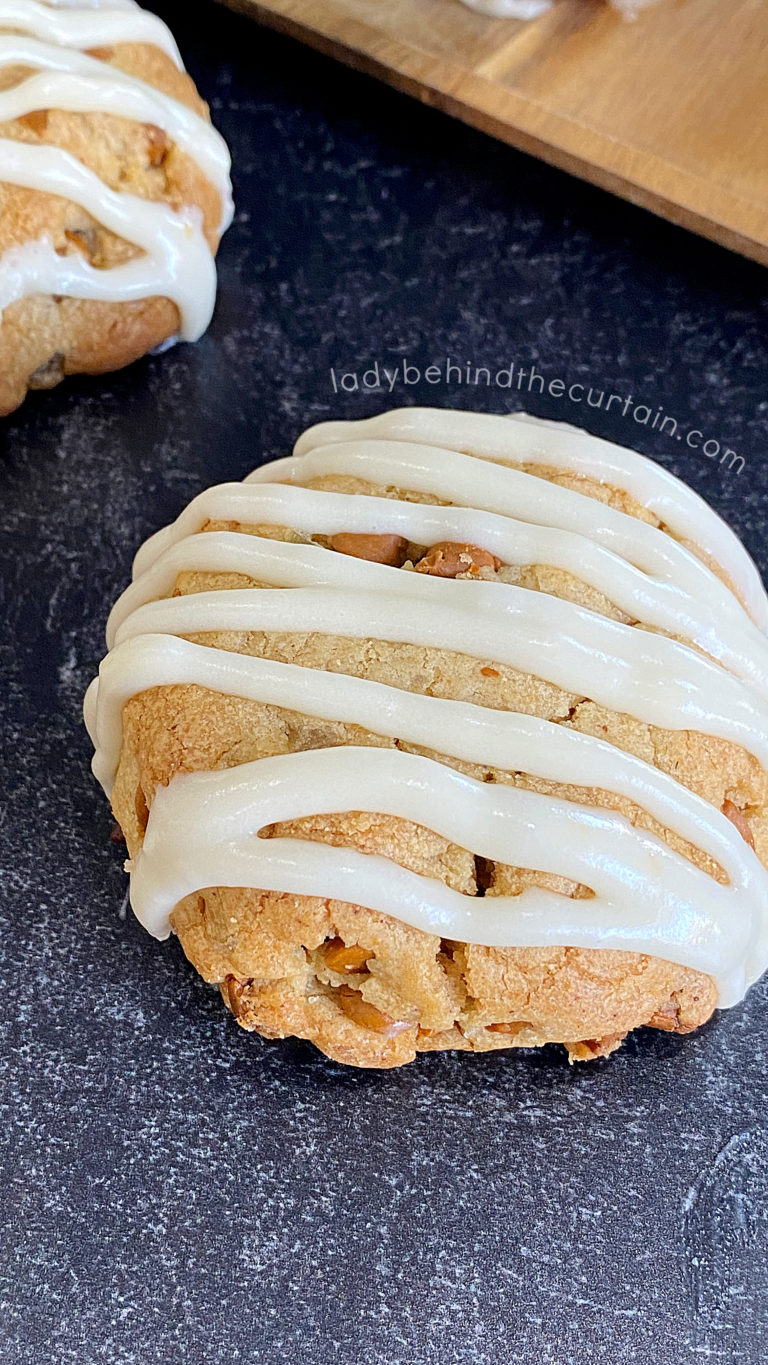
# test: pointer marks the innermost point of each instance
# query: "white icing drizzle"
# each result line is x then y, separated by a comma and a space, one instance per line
177, 262
650, 677
472, 733
81, 84
647, 898
92, 26
645, 895
92, 4
521, 439
707, 615
467, 732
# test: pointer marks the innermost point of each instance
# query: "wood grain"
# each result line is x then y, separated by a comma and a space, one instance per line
671, 112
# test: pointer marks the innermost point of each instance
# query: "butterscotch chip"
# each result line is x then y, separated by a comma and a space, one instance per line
449, 559
667, 1018
342, 957
737, 817
36, 120
157, 144
378, 549
365, 1014
592, 1048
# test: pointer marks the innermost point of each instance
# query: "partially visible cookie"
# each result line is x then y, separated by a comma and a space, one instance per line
448, 732
114, 192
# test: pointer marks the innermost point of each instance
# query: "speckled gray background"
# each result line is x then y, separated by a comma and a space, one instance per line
172, 1189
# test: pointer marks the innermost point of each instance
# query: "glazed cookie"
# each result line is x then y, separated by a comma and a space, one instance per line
114, 192
449, 731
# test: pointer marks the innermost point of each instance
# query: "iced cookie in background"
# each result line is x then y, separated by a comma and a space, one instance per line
114, 193
447, 731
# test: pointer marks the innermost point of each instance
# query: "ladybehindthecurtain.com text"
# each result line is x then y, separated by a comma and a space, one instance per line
520, 379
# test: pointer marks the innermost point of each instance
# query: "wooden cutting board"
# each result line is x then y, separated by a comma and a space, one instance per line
670, 111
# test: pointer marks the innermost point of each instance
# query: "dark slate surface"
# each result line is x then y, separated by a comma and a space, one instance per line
173, 1189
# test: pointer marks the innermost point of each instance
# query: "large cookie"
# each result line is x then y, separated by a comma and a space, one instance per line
447, 732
